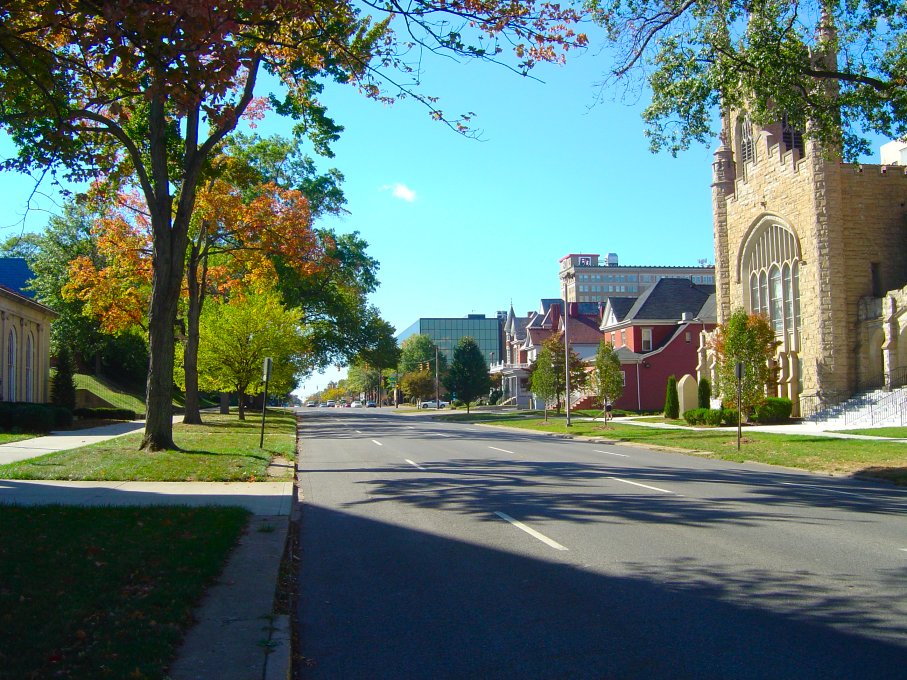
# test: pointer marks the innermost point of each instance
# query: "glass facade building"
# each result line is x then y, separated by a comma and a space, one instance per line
446, 333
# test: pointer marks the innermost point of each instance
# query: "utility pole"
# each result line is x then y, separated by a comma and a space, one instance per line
437, 381
566, 351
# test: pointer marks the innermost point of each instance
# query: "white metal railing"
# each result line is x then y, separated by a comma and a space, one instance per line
876, 407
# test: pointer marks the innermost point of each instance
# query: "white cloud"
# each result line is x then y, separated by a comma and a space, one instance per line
400, 191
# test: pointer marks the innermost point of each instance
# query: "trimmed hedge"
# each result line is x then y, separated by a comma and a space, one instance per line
105, 413
703, 416
774, 410
711, 417
17, 416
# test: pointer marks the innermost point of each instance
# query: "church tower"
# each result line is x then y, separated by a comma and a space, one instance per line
809, 242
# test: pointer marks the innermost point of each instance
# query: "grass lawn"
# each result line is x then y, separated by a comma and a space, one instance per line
104, 592
222, 449
819, 454
890, 432
9, 438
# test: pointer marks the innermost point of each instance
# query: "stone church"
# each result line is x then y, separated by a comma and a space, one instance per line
818, 246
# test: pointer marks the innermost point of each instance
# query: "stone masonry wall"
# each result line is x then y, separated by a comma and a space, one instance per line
844, 220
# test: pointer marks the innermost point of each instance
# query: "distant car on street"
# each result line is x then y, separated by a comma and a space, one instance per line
370, 404
356, 404
434, 404
331, 403
311, 404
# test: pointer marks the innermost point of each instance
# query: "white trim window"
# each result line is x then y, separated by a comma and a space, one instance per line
646, 339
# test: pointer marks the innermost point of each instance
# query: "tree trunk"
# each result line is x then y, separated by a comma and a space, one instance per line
241, 398
190, 351
161, 341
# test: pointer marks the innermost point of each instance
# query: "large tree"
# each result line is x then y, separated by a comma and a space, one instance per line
468, 376
835, 70
419, 349
149, 89
238, 335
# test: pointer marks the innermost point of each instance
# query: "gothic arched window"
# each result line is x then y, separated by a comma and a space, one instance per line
29, 368
770, 263
11, 352
791, 137
747, 142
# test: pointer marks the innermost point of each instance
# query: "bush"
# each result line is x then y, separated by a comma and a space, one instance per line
704, 395
105, 413
703, 416
729, 417
774, 410
672, 401
27, 417
695, 416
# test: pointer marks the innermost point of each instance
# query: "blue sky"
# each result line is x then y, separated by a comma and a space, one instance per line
463, 226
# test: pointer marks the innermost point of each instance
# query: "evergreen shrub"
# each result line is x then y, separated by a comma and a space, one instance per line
774, 410
672, 401
704, 394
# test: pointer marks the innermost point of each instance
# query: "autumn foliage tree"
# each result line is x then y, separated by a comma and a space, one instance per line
750, 340
149, 90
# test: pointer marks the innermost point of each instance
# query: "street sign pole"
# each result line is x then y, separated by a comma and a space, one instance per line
266, 375
738, 371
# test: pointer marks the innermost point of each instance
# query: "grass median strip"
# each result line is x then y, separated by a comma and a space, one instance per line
104, 592
879, 459
222, 449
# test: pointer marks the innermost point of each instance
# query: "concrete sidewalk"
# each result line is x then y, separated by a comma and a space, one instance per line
236, 635
60, 441
804, 429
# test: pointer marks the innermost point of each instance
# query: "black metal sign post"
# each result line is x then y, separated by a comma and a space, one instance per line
264, 401
738, 371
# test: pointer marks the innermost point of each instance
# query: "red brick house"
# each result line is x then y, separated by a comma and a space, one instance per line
657, 335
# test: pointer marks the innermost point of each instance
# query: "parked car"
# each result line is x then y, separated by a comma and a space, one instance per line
331, 403
310, 404
356, 404
433, 404
370, 404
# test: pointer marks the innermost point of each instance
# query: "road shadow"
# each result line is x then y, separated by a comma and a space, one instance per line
382, 600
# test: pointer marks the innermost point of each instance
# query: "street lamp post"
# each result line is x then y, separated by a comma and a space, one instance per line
567, 349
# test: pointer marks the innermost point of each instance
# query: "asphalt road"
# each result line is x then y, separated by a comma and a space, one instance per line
433, 550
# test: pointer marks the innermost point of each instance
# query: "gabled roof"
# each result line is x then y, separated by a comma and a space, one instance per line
15, 274
616, 307
11, 294
583, 330
518, 327
669, 299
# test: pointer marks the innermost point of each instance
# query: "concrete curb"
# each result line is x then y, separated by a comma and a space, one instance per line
235, 629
